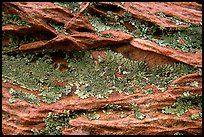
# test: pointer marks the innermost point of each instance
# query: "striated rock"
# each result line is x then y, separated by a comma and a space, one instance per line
29, 116
15, 28
150, 11
75, 131
159, 125
79, 40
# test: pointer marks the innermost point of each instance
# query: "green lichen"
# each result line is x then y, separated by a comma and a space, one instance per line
16, 40
196, 116
194, 84
109, 108
178, 133
59, 27
200, 71
177, 21
98, 78
12, 100
91, 78
137, 112
191, 84
13, 19
23, 96
191, 36
91, 114
74, 7
123, 115
148, 91
55, 122
32, 73
108, 35
106, 82
62, 4
183, 103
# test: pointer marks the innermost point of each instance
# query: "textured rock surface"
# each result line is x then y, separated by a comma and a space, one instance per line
147, 11
74, 31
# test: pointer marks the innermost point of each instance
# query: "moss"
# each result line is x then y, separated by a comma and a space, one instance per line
183, 103
13, 19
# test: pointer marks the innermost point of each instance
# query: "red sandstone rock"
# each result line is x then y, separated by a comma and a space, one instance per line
15, 28
25, 114
188, 58
148, 10
155, 125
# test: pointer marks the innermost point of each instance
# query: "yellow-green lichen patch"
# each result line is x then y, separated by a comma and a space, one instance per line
178, 21
13, 19
91, 78
23, 96
137, 112
59, 27
55, 122
148, 91
123, 115
91, 114
196, 116
183, 103
191, 84
74, 7
12, 100
61, 4
109, 108
178, 133
106, 23
16, 40
200, 71
98, 78
32, 72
